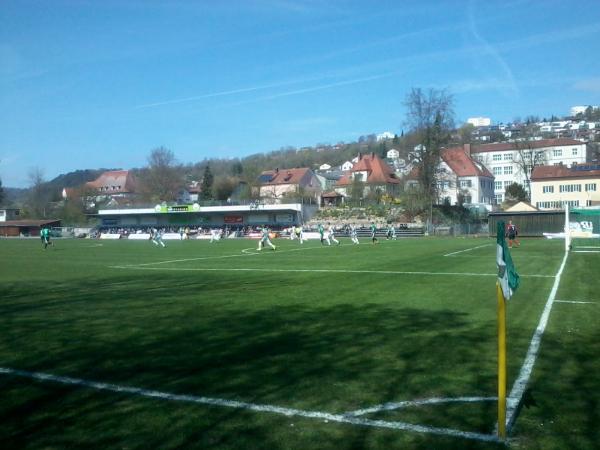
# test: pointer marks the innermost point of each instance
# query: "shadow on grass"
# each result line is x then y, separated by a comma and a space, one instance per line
257, 341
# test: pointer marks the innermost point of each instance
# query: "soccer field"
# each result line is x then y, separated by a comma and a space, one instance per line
122, 344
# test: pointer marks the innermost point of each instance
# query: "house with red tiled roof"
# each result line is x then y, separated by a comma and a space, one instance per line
114, 183
371, 170
553, 187
275, 185
461, 179
110, 185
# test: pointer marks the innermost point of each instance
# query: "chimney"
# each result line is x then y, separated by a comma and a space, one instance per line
277, 170
372, 155
467, 149
359, 156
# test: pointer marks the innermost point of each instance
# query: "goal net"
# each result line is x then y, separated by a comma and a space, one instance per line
582, 229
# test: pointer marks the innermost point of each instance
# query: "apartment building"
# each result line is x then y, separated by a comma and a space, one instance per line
512, 162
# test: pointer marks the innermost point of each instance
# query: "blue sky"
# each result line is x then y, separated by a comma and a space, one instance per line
90, 84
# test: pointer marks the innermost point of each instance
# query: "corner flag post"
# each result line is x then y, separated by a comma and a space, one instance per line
508, 282
501, 362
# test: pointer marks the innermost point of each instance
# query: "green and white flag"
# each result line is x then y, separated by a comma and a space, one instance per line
507, 275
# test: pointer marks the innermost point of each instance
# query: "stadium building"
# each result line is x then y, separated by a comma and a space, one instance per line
253, 214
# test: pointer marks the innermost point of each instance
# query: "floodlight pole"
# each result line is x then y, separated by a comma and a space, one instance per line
501, 362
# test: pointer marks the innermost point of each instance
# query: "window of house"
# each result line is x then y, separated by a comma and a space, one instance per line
507, 184
497, 170
497, 157
574, 152
498, 198
508, 170
465, 183
570, 188
497, 185
548, 189
590, 187
508, 157
557, 152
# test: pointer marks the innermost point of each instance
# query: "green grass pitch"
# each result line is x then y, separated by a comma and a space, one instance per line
325, 331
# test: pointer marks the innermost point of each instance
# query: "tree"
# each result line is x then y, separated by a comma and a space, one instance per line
527, 155
430, 117
465, 133
206, 185
357, 189
163, 178
223, 187
38, 195
516, 192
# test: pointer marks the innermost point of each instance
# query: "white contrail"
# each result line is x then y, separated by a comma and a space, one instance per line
225, 93
492, 51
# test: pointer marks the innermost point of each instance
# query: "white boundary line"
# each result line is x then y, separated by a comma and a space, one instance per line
290, 412
467, 250
409, 403
516, 394
257, 269
573, 301
244, 252
585, 251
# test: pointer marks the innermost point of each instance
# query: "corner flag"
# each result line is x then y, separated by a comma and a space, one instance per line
508, 278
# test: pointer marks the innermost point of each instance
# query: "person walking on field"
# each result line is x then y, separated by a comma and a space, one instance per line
45, 233
322, 234
511, 234
353, 234
264, 239
331, 235
373, 231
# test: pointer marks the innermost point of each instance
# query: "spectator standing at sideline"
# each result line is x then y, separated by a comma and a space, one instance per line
511, 234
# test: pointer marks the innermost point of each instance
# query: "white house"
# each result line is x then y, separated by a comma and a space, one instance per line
385, 135
348, 165
479, 121
461, 175
505, 159
325, 167
393, 154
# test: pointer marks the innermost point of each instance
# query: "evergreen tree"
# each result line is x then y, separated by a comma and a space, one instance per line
207, 183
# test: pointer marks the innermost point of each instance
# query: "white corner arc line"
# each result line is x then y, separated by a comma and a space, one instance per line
467, 250
516, 393
391, 406
340, 418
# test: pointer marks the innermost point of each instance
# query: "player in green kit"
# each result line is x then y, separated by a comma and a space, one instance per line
45, 233
264, 239
322, 233
373, 231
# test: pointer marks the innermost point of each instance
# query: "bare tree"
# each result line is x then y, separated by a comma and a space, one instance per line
163, 178
39, 195
527, 155
430, 116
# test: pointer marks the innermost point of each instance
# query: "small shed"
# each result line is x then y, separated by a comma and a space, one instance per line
26, 228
